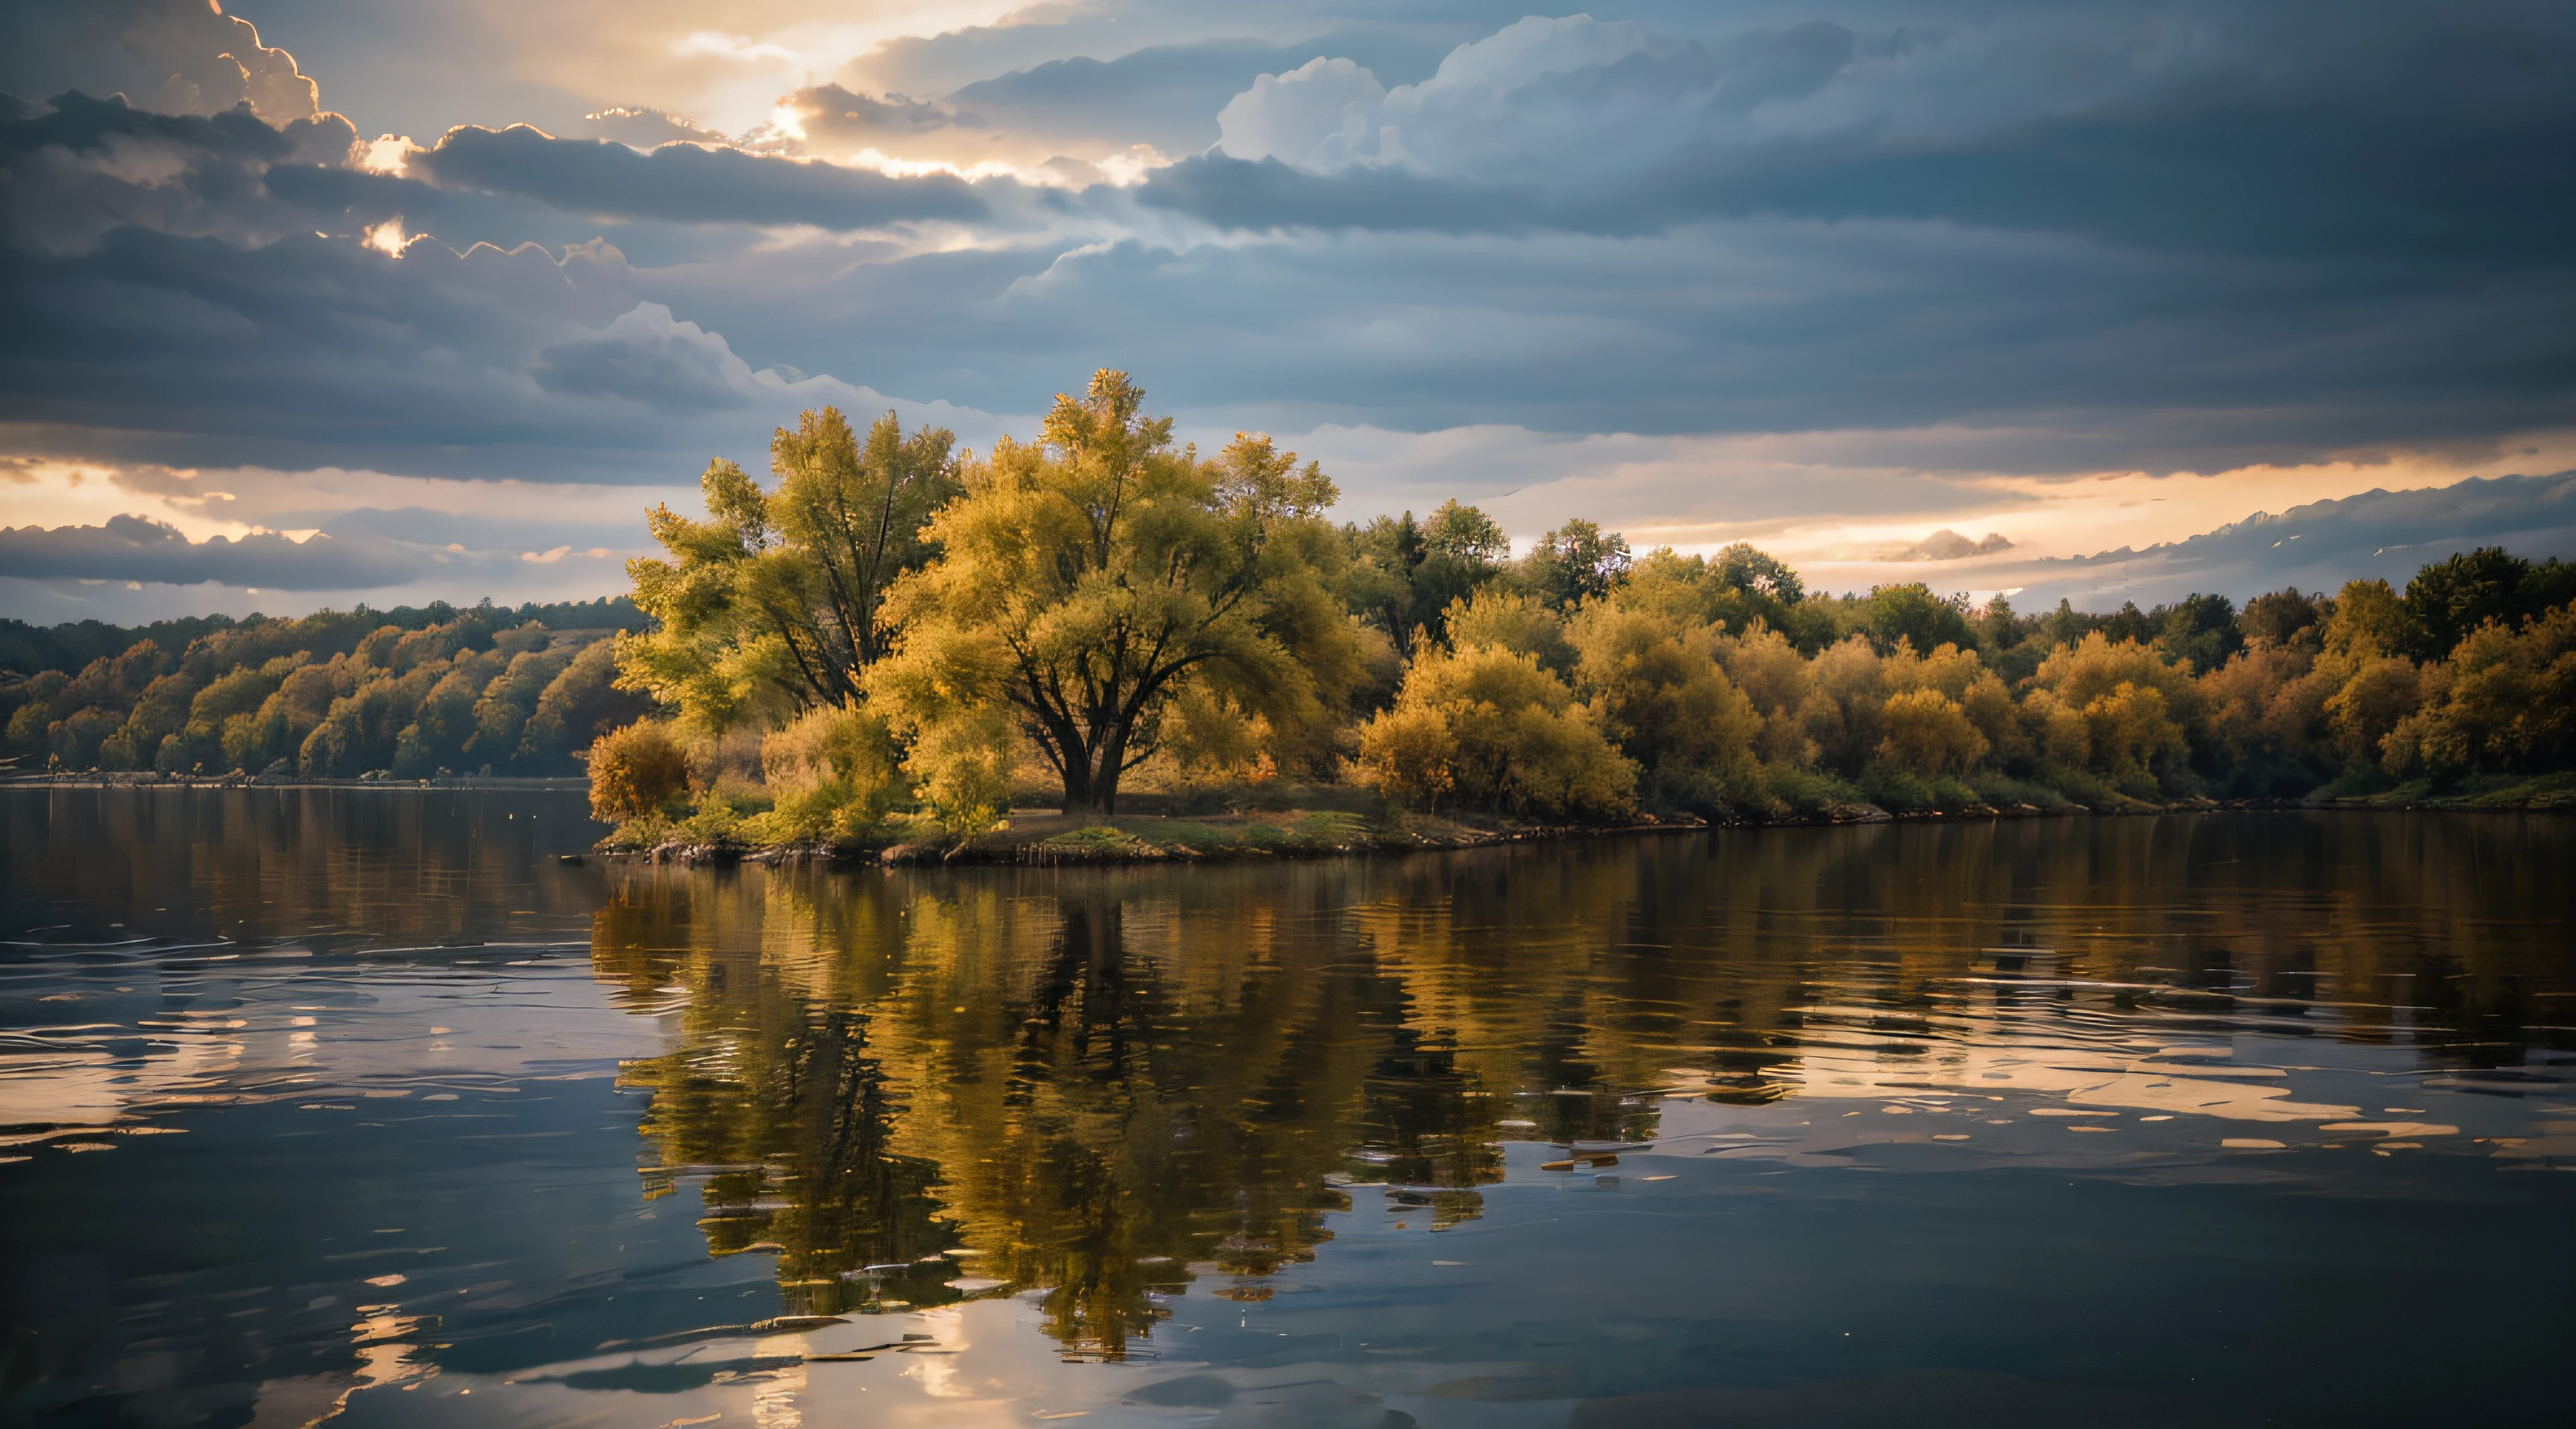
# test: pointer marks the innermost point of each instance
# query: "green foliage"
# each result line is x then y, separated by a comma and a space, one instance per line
2203, 630
1576, 562
2450, 599
1912, 614
1404, 575
333, 695
2281, 618
576, 707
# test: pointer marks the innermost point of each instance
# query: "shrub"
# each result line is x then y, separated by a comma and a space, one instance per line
1492, 729
834, 774
1659, 689
636, 772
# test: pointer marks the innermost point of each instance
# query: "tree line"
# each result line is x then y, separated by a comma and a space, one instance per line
409, 693
894, 628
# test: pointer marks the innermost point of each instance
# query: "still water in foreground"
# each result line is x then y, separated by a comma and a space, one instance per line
359, 1103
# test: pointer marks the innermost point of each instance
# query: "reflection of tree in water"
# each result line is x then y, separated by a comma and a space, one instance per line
1134, 1138
1429, 1121
776, 1099
1113, 1088
1104, 1123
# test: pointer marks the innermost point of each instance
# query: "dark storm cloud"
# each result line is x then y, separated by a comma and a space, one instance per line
303, 346
1737, 325
2182, 235
1266, 194
665, 370
688, 184
312, 352
1169, 95
79, 166
77, 123
2287, 129
133, 548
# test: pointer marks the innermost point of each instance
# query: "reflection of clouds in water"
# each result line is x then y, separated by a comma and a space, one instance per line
1193, 1053
262, 1039
2002, 1060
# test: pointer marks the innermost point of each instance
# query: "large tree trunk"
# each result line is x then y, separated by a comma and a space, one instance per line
1091, 779
1091, 791
1077, 784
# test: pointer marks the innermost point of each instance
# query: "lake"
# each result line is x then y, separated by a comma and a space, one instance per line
362, 1103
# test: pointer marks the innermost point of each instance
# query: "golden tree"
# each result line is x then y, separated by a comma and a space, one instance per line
1086, 584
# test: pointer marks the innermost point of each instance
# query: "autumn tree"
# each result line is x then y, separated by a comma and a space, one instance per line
1088, 583
777, 601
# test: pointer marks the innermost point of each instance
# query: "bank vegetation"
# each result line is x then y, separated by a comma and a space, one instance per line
895, 641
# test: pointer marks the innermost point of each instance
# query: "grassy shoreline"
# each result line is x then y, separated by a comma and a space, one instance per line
1038, 837
1178, 833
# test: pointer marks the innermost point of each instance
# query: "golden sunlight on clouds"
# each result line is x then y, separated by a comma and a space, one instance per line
254, 499
1838, 503
665, 55
58, 493
387, 154
2081, 514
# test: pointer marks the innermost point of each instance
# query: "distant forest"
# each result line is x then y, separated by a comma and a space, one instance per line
405, 693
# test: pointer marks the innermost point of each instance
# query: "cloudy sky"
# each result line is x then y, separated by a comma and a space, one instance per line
304, 303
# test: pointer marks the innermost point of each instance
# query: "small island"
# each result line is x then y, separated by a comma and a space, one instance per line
1099, 646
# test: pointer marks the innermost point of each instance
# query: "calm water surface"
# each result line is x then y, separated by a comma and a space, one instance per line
360, 1103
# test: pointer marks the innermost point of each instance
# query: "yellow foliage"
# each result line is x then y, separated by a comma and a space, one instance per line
2381, 692
835, 774
1771, 673
1522, 624
1928, 732
2368, 620
1840, 714
1084, 585
636, 772
2082, 673
1490, 728
2506, 700
1659, 691
2128, 728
